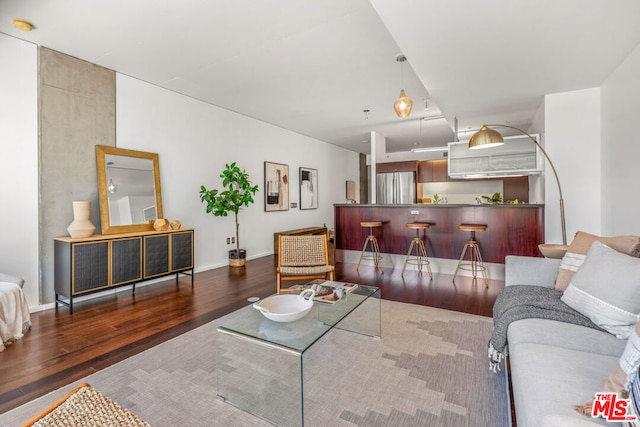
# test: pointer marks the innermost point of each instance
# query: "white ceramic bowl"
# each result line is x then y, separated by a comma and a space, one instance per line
286, 308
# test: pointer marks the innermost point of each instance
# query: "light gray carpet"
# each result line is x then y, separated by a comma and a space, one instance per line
429, 369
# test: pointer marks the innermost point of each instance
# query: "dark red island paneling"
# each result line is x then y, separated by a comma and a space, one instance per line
511, 229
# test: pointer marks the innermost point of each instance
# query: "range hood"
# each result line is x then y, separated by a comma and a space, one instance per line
517, 157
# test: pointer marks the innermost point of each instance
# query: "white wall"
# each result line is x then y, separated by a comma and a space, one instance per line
572, 140
19, 163
620, 148
194, 140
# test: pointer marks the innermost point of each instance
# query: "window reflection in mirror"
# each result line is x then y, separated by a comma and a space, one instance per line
131, 190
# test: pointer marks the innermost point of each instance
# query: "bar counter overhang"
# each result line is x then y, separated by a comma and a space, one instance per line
512, 229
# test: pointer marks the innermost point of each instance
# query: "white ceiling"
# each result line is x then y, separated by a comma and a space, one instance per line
313, 66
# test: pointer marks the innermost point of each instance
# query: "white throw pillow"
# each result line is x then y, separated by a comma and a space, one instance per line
606, 289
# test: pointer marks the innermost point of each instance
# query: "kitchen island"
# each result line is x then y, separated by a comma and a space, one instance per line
512, 229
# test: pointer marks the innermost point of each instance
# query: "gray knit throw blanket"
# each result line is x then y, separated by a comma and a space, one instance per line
524, 302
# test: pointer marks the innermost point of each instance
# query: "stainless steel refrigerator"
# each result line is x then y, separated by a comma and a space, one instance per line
396, 188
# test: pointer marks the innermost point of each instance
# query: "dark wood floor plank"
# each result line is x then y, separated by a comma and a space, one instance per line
62, 348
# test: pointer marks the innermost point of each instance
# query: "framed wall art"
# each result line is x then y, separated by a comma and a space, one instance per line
276, 185
308, 188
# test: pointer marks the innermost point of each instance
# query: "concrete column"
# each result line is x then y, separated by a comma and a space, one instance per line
77, 105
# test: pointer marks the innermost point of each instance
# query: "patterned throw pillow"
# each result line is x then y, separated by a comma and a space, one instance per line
579, 247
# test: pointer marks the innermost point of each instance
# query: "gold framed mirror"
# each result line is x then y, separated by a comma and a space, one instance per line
129, 189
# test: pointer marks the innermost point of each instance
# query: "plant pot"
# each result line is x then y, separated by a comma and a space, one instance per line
237, 258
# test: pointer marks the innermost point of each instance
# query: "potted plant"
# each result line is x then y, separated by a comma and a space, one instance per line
495, 199
238, 192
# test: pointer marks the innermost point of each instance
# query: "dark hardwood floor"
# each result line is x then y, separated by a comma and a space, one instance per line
62, 348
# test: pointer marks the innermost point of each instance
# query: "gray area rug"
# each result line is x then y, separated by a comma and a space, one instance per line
429, 369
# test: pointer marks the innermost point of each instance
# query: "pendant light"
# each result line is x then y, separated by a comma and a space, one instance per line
112, 188
403, 104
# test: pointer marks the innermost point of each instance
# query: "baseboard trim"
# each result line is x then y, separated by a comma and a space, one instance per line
438, 265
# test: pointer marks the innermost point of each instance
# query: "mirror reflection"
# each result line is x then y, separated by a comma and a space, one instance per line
129, 186
132, 197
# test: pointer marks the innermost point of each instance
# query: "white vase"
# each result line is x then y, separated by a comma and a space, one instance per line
81, 226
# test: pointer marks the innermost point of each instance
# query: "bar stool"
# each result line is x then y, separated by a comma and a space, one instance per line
475, 264
371, 240
420, 255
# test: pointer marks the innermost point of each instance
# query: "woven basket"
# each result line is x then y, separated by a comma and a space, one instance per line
85, 406
237, 259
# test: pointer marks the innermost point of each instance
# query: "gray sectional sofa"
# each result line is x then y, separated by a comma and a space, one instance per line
554, 366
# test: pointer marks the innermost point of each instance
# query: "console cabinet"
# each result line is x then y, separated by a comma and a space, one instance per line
100, 262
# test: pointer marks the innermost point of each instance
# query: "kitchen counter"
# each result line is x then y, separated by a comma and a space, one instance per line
511, 229
447, 205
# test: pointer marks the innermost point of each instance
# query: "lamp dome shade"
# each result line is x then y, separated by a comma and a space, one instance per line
485, 138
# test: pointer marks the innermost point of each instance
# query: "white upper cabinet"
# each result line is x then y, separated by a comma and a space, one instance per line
517, 156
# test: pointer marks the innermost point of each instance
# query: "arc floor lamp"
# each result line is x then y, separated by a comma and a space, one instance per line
487, 137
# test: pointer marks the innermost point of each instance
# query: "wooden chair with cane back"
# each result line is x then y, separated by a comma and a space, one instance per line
303, 258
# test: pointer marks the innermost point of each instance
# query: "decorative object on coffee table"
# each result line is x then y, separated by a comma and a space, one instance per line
286, 308
81, 226
238, 192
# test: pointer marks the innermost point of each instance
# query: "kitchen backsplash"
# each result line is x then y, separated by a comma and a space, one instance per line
464, 192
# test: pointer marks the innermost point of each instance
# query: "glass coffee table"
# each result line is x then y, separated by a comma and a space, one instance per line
260, 363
